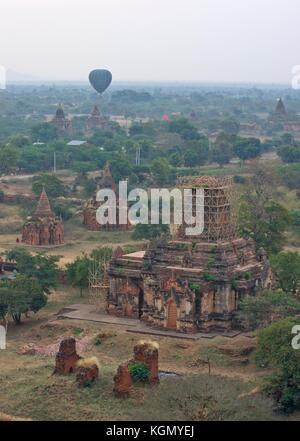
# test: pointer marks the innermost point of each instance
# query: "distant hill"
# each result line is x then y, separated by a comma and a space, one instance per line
12, 76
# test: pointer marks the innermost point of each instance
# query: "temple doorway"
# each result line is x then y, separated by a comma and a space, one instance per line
172, 315
141, 303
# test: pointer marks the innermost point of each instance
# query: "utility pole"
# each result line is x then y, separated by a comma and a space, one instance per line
138, 156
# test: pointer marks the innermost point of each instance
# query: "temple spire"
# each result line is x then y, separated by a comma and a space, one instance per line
43, 208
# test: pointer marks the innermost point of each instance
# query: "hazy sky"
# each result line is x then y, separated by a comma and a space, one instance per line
186, 40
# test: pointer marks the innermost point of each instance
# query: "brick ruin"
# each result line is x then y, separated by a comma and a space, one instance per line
87, 371
145, 352
90, 210
61, 122
191, 283
43, 227
67, 357
96, 120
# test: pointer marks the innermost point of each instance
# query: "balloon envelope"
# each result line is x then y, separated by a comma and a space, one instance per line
166, 117
100, 79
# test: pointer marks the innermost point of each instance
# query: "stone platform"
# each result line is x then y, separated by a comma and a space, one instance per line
82, 311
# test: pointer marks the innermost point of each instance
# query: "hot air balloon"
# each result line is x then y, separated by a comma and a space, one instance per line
100, 79
166, 118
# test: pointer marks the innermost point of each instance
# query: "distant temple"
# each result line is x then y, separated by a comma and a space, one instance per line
191, 283
290, 122
280, 109
43, 227
89, 213
95, 120
61, 122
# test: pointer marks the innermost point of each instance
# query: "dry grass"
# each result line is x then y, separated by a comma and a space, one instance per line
27, 388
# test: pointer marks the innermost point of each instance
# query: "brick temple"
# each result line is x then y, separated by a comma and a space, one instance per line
95, 120
43, 227
90, 210
191, 283
61, 122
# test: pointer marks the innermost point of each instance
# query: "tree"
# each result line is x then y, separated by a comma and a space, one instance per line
289, 153
290, 175
286, 268
20, 296
149, 231
184, 128
230, 126
120, 169
19, 141
44, 132
161, 170
9, 156
274, 350
40, 267
256, 312
260, 216
176, 159
78, 272
222, 152
53, 185
197, 153
247, 148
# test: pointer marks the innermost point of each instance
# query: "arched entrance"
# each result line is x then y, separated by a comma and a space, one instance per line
172, 314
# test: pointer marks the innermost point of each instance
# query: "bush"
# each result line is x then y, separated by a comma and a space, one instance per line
139, 371
237, 179
274, 350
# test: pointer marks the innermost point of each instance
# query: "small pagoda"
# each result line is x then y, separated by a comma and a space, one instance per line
43, 227
61, 122
90, 210
95, 120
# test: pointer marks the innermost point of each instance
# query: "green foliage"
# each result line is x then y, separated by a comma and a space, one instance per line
286, 269
53, 185
9, 156
21, 295
247, 148
256, 312
289, 153
247, 275
79, 270
39, 266
222, 150
195, 286
161, 170
274, 349
238, 179
77, 331
139, 371
290, 175
120, 169
262, 218
149, 231
184, 128
62, 208
44, 132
